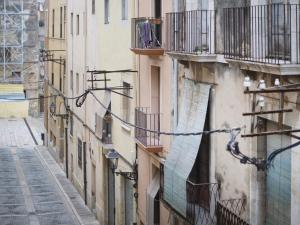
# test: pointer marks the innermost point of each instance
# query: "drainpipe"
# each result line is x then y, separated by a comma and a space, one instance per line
67, 151
84, 173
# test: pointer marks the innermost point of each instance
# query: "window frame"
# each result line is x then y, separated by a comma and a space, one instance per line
126, 101
124, 10
106, 11
77, 24
79, 152
93, 7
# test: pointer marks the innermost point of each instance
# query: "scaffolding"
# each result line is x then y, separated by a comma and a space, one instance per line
19, 41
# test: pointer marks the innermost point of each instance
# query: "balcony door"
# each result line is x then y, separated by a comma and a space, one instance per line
278, 182
279, 30
155, 99
155, 89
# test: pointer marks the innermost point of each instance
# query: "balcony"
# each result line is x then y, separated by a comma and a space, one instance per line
147, 36
201, 202
263, 34
191, 34
146, 123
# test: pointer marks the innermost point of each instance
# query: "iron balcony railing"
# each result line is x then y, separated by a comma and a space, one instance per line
146, 33
191, 32
201, 201
263, 33
148, 121
226, 216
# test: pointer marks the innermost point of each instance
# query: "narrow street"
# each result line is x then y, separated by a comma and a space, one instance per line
29, 191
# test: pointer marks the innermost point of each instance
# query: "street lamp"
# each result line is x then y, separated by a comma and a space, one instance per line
52, 109
113, 156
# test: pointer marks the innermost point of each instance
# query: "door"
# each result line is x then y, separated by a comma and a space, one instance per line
278, 182
72, 167
42, 104
62, 142
128, 189
93, 186
111, 194
155, 89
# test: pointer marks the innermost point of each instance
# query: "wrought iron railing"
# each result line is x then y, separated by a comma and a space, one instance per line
202, 199
226, 216
146, 123
263, 33
191, 32
146, 33
201, 202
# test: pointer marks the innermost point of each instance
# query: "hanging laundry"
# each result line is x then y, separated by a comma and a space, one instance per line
147, 35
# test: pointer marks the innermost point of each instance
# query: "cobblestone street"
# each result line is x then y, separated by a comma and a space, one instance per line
30, 193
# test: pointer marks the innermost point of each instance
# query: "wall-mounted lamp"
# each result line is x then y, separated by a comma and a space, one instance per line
277, 82
247, 83
113, 156
261, 102
52, 109
262, 85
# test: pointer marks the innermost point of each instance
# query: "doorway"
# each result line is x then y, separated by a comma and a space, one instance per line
111, 193
155, 89
93, 187
62, 143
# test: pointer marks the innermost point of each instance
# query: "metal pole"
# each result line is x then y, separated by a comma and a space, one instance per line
67, 151
84, 173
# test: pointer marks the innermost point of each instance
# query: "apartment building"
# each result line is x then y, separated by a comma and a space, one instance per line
201, 65
101, 147
54, 56
154, 105
214, 49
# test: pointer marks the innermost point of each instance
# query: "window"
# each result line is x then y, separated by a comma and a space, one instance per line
93, 7
71, 80
60, 76
77, 25
71, 125
126, 102
65, 21
77, 83
98, 125
61, 23
124, 9
72, 23
53, 21
106, 11
52, 78
79, 153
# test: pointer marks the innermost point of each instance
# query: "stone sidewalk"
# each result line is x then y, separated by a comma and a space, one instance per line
85, 216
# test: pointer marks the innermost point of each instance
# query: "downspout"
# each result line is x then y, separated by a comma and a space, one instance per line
84, 173
67, 151
85, 106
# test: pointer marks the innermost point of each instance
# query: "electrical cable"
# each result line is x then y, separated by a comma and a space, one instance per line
261, 164
161, 132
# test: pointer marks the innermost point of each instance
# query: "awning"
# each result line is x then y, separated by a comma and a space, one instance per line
184, 149
151, 193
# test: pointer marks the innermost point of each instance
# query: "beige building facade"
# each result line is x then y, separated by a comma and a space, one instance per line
99, 40
54, 58
157, 71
